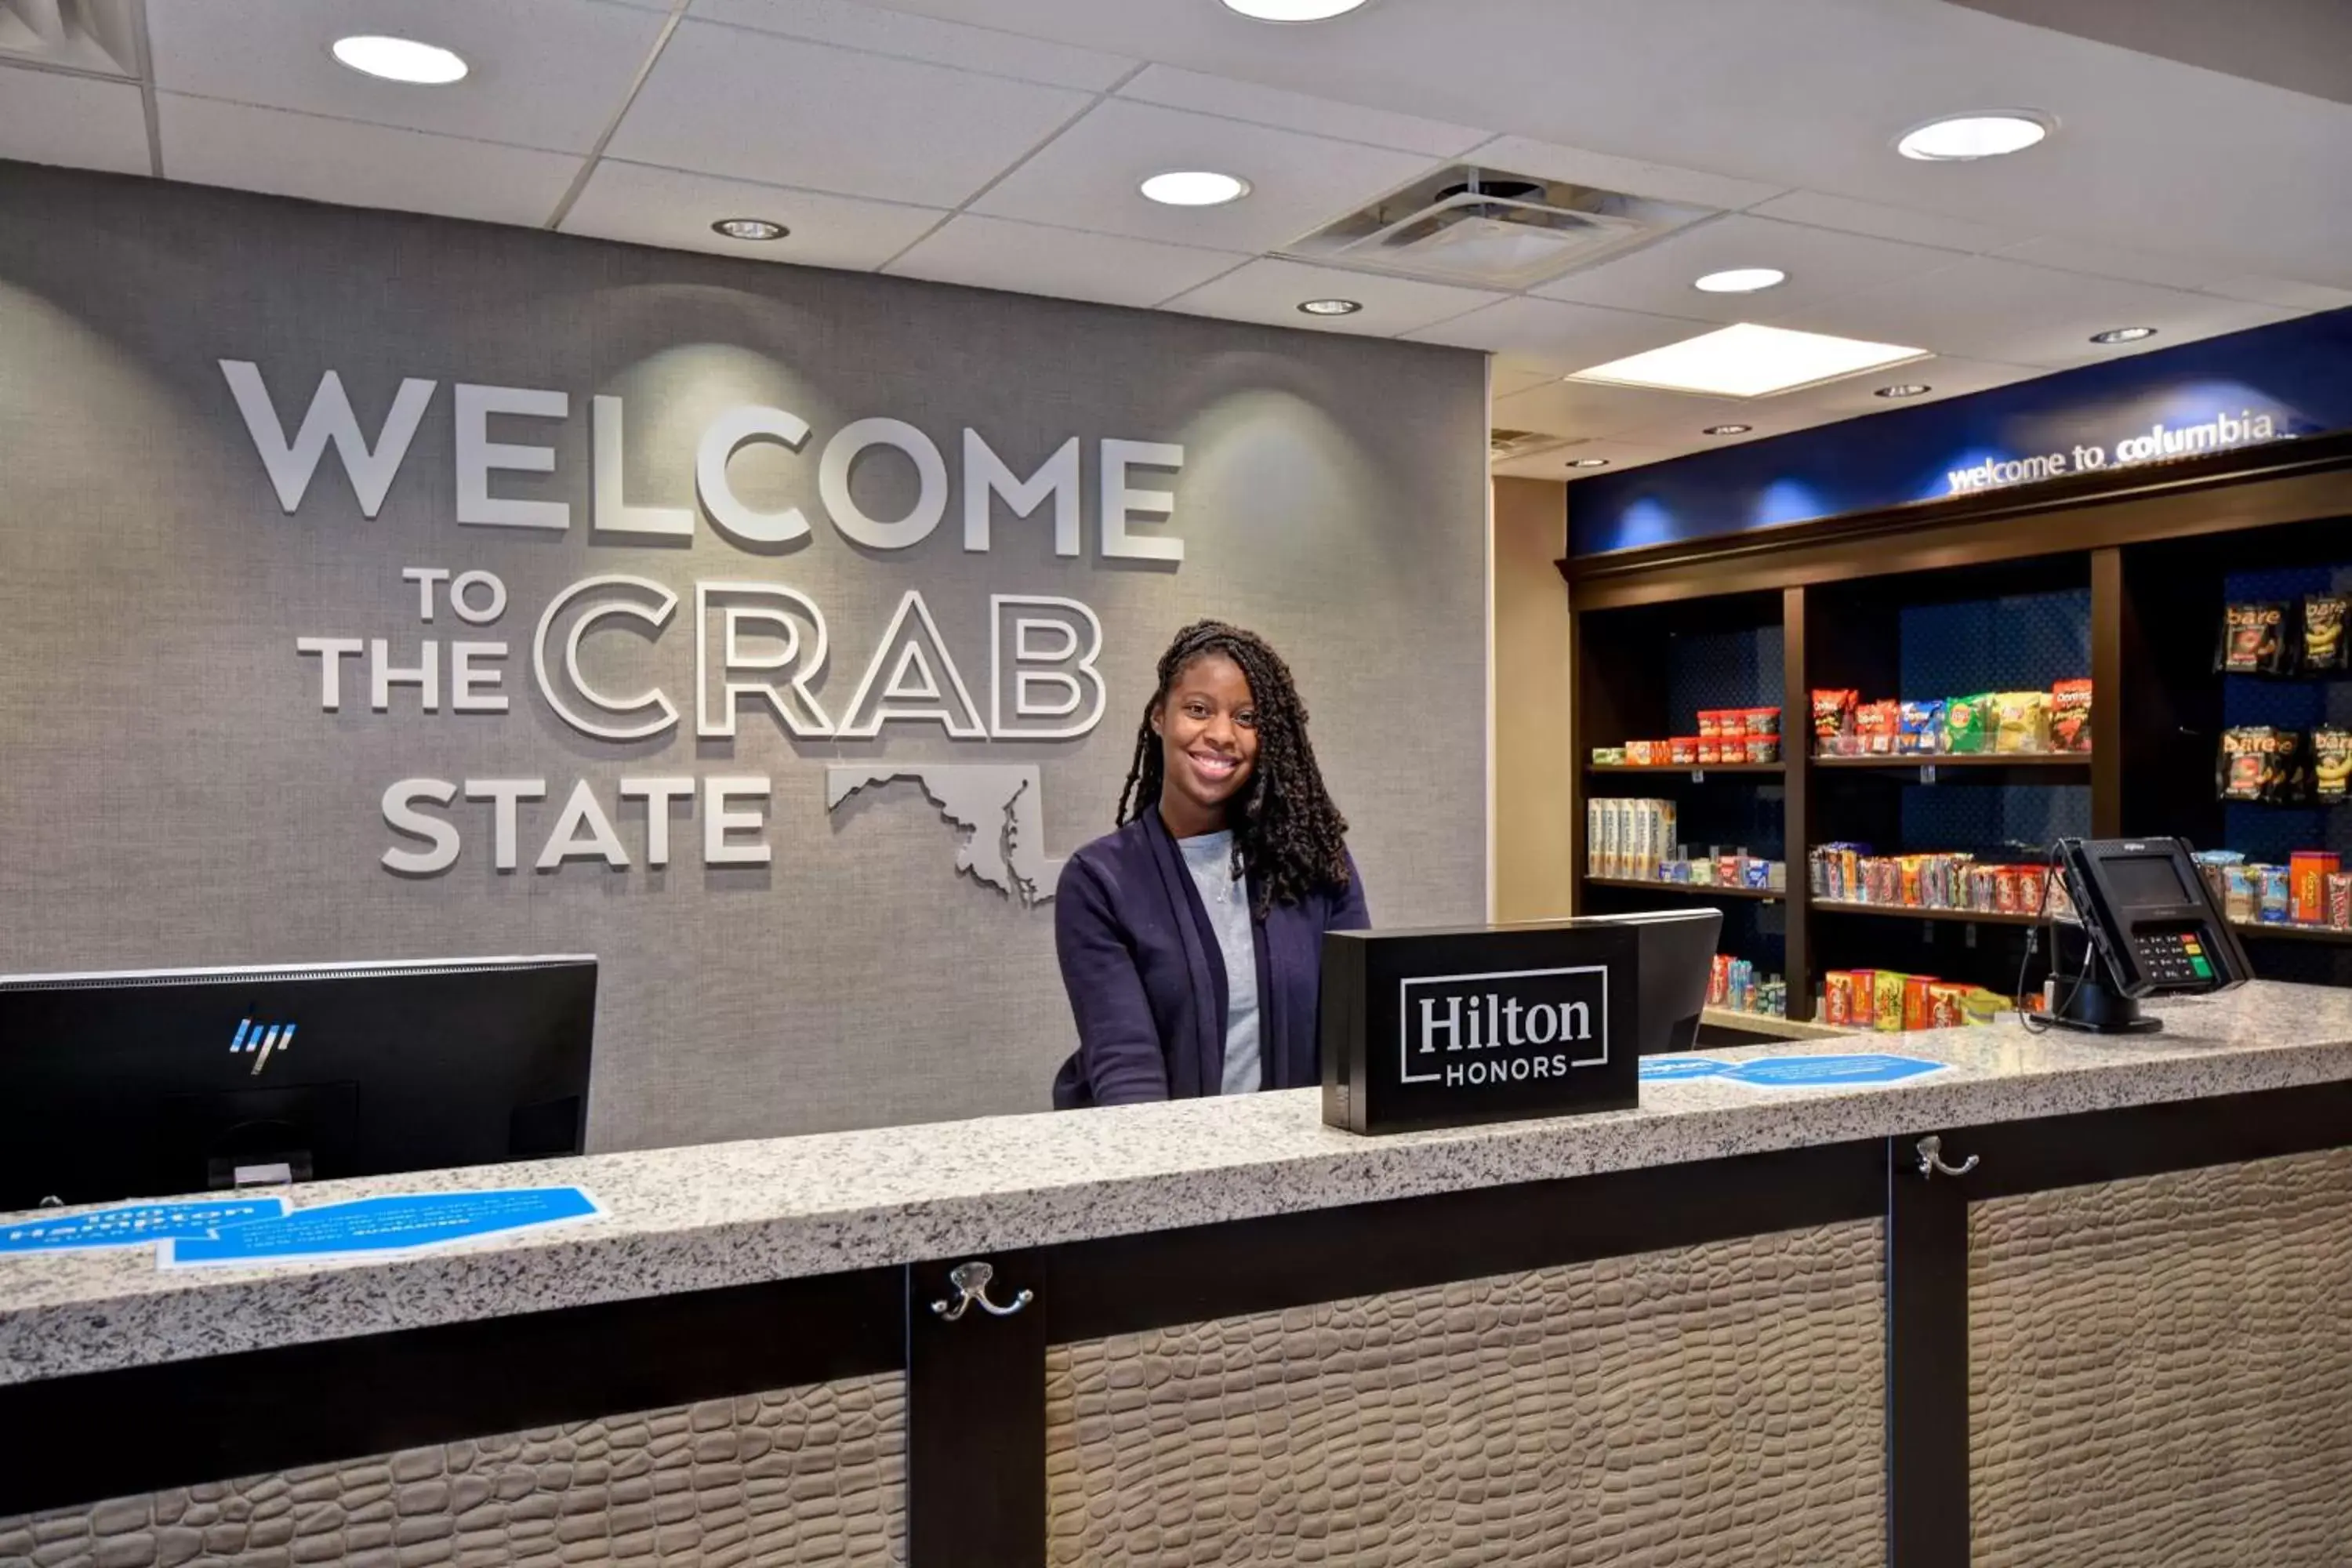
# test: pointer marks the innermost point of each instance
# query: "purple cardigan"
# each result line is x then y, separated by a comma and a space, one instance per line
1146, 980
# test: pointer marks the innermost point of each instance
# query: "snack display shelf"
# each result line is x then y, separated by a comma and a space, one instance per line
1772, 1025
1689, 889
1668, 770
2293, 933
1911, 912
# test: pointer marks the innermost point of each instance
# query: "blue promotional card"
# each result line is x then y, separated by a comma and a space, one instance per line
1861, 1070
378, 1227
131, 1225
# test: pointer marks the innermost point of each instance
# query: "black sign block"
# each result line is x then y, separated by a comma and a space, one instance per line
1444, 1028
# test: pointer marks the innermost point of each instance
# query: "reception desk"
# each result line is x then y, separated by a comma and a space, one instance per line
1737, 1326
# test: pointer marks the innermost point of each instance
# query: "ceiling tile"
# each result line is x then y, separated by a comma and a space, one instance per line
1945, 379
1985, 308
1822, 267
1270, 289
1687, 429
84, 124
1583, 408
1175, 89
1547, 335
2282, 292
1087, 177
1635, 176
857, 25
1554, 464
2117, 261
1880, 221
661, 206
343, 161
1068, 264
751, 106
544, 73
1508, 379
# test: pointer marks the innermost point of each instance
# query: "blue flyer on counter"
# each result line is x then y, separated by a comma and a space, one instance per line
131, 1224
1792, 1072
378, 1227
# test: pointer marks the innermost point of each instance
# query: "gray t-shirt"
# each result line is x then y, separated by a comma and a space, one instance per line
1211, 859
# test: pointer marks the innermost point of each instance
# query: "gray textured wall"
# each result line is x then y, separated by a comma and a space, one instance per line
172, 793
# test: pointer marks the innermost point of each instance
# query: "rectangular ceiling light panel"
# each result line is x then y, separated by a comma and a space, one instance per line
1749, 361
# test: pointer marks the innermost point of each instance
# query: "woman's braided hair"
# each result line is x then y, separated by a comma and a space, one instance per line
1287, 832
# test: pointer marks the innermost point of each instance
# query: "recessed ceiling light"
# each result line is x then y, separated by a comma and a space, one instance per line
1294, 10
1726, 429
1962, 137
401, 59
1331, 307
2123, 335
1588, 462
750, 228
1195, 188
1741, 280
1748, 360
1903, 389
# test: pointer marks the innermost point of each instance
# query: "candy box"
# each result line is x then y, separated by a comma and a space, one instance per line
1865, 997
1762, 720
1837, 997
1915, 1001
2307, 874
1710, 751
2339, 900
1710, 723
1947, 1005
1684, 751
1763, 748
1887, 1000
2275, 899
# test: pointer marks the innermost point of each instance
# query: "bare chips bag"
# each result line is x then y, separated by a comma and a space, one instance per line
2253, 639
2322, 633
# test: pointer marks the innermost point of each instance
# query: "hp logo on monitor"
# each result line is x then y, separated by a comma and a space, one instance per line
260, 1041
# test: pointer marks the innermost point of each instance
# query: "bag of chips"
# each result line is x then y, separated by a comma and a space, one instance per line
2022, 722
2323, 632
2069, 715
1876, 723
2260, 765
1834, 713
1969, 723
1919, 727
2255, 640
2331, 764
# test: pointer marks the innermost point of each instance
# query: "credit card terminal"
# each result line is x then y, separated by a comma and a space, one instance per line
2151, 929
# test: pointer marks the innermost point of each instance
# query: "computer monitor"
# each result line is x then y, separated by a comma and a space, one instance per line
1675, 958
166, 1081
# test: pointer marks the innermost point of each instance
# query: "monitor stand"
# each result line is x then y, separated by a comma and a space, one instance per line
2093, 1005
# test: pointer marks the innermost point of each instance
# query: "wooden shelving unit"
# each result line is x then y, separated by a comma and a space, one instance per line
2142, 559
1689, 889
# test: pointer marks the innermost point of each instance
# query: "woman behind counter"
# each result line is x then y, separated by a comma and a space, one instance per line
1191, 939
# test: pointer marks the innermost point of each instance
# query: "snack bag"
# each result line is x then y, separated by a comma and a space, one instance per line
2069, 715
2241, 892
1969, 723
1834, 713
2022, 722
2259, 763
2276, 899
2323, 632
1919, 727
1876, 722
2253, 640
1887, 1000
1981, 1006
2331, 764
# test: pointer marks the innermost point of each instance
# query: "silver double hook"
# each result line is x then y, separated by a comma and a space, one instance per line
972, 1281
1931, 1160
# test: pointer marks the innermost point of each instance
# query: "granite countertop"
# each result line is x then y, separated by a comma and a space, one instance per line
732, 1214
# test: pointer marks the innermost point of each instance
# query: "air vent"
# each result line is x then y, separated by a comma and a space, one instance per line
1502, 446
99, 35
1494, 229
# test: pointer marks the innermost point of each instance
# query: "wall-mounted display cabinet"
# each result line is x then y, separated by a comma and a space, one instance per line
2124, 583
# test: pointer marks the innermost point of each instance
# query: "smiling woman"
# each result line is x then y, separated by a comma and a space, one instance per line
1191, 937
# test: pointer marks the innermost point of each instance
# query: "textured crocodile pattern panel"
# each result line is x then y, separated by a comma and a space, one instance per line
1711, 1405
2160, 1370
805, 1475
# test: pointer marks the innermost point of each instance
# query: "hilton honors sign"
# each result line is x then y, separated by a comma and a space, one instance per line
1445, 1027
